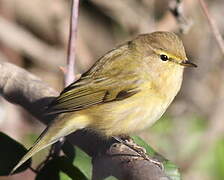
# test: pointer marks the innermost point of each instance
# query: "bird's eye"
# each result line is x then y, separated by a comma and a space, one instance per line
164, 57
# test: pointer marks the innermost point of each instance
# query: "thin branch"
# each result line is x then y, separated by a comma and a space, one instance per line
70, 74
213, 25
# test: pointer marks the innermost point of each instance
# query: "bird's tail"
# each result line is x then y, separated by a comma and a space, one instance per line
58, 129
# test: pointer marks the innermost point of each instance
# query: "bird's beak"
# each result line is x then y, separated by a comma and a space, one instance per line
188, 63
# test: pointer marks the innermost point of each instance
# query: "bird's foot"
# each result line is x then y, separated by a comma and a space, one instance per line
141, 151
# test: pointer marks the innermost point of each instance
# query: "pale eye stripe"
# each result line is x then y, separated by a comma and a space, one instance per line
170, 55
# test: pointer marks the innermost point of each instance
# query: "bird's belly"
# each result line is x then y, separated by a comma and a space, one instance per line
138, 111
141, 117
127, 117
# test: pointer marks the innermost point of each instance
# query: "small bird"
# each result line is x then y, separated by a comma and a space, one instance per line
125, 91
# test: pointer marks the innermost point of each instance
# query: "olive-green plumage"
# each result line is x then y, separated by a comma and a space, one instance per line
126, 90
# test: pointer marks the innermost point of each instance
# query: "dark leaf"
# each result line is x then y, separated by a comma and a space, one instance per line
11, 153
49, 170
83, 162
69, 150
60, 168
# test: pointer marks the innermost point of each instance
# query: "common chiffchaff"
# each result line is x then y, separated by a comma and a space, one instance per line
125, 91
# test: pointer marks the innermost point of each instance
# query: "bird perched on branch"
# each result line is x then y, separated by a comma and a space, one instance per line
125, 91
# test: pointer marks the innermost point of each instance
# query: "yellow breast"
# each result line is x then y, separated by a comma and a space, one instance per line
137, 112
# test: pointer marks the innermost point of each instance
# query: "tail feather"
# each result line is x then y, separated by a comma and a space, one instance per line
41, 143
58, 129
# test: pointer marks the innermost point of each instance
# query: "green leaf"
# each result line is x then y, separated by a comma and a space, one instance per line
80, 159
64, 176
83, 162
111, 178
76, 165
60, 168
11, 153
72, 171
170, 169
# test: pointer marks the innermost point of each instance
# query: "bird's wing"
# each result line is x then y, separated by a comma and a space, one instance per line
105, 82
89, 91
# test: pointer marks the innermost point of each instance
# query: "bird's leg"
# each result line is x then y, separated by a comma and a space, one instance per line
56, 148
126, 140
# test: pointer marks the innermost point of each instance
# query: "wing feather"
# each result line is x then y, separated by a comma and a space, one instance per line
101, 84
84, 96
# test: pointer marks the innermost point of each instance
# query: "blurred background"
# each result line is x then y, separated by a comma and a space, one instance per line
34, 35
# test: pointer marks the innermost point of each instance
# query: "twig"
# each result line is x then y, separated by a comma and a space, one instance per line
69, 72
213, 25
70, 75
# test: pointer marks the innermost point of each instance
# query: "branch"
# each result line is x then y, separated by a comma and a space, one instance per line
70, 73
213, 26
109, 158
